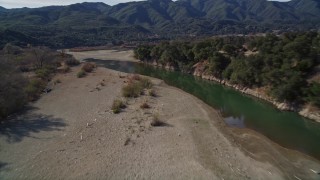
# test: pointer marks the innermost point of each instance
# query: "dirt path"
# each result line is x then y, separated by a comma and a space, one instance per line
71, 133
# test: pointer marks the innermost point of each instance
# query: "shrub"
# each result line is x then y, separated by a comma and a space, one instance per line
34, 89
88, 67
24, 68
81, 74
117, 105
132, 90
72, 62
12, 94
43, 73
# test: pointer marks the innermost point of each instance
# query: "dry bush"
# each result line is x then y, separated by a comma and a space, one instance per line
117, 105
136, 86
127, 141
88, 67
146, 83
132, 90
152, 92
72, 62
121, 76
65, 69
135, 77
57, 81
156, 122
45, 73
144, 105
34, 89
81, 74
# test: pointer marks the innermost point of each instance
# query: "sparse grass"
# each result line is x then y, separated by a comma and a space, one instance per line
57, 81
144, 105
65, 69
117, 105
81, 74
156, 122
88, 67
146, 83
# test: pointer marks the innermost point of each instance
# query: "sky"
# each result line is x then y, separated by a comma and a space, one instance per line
40, 3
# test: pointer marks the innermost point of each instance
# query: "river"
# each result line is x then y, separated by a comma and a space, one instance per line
285, 128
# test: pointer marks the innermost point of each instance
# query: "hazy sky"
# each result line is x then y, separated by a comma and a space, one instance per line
40, 3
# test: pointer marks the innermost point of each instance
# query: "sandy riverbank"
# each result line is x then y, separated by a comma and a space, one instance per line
71, 133
105, 55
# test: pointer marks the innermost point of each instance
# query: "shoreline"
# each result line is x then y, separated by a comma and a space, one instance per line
282, 106
246, 91
78, 137
249, 142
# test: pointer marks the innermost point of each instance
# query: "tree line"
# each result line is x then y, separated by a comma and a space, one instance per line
282, 65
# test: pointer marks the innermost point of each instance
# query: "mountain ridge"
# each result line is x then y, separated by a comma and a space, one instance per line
166, 18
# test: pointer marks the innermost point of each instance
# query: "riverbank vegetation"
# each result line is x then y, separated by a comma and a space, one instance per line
281, 65
26, 72
136, 86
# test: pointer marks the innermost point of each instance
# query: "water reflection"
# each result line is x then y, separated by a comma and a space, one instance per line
235, 121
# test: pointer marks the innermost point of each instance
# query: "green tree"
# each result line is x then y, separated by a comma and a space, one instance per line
313, 94
290, 88
12, 84
217, 64
142, 53
230, 49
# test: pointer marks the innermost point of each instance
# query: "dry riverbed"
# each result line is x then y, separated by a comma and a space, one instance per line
71, 133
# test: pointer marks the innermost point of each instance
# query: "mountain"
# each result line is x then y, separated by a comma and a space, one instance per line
2, 10
98, 23
16, 38
311, 7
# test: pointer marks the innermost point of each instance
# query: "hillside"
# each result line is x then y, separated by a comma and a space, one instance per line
99, 23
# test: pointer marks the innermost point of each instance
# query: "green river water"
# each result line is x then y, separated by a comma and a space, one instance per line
285, 128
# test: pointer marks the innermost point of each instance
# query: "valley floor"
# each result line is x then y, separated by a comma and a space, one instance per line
70, 133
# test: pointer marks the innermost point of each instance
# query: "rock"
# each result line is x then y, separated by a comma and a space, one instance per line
309, 114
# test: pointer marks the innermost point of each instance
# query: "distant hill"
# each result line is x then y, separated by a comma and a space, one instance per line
16, 38
98, 23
